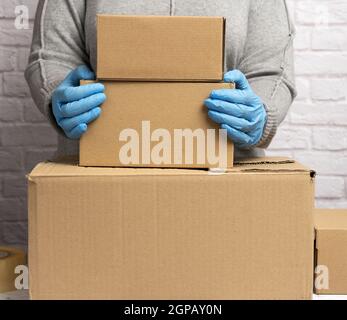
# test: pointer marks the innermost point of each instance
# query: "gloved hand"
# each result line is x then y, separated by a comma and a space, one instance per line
75, 106
240, 111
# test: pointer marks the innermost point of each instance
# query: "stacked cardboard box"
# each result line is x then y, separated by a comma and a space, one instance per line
127, 233
331, 251
100, 232
159, 48
157, 72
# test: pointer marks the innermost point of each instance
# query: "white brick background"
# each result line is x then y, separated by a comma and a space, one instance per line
315, 131
25, 136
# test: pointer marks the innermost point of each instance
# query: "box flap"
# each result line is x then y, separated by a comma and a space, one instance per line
69, 167
271, 164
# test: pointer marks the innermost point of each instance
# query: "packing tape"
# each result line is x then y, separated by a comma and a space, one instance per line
10, 258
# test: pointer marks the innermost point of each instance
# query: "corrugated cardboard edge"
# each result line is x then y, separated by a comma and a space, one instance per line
271, 164
264, 160
224, 67
84, 82
160, 80
32, 230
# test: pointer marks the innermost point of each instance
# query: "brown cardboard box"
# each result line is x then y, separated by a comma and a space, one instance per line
331, 251
159, 112
160, 48
124, 233
10, 259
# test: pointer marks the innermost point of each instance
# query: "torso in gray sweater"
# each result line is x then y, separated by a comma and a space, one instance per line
258, 42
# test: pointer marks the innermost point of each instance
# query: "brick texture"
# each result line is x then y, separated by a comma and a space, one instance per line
314, 132
25, 136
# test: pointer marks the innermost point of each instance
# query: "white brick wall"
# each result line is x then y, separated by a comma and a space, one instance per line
25, 136
315, 131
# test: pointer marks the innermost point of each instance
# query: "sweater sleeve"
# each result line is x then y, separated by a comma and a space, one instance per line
58, 46
268, 61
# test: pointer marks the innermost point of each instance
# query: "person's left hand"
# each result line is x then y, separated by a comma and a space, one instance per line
239, 111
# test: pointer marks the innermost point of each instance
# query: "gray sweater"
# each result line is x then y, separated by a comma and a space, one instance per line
259, 42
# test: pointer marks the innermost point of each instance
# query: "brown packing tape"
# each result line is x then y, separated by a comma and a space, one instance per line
10, 258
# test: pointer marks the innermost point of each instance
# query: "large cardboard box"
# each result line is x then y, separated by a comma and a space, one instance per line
124, 233
331, 251
160, 48
151, 124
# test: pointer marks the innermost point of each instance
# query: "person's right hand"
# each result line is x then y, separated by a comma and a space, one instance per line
75, 106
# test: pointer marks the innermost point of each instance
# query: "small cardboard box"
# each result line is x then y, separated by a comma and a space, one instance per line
156, 124
160, 48
125, 233
331, 251
10, 258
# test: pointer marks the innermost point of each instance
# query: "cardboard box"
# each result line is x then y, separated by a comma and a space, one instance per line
10, 259
124, 233
160, 48
152, 124
331, 251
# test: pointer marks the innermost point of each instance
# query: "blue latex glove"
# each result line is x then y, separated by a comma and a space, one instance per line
75, 106
240, 111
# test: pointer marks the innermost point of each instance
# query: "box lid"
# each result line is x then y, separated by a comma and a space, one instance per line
69, 167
